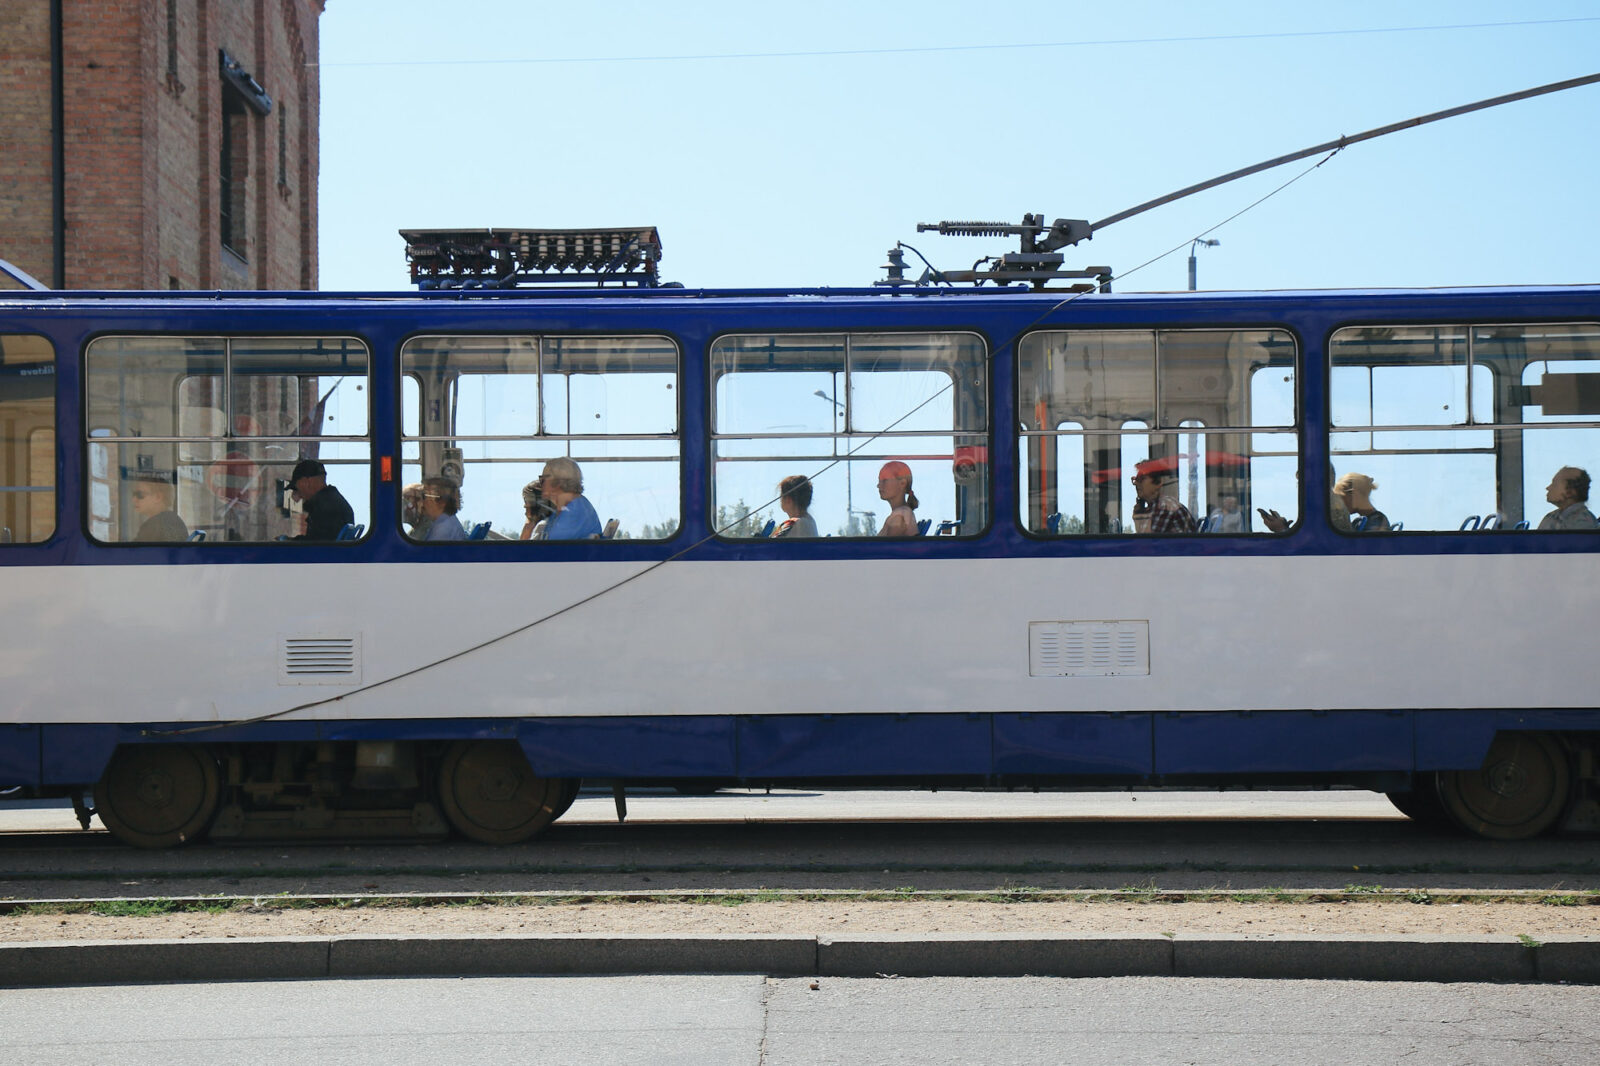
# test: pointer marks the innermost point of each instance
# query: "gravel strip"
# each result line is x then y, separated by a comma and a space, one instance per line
821, 918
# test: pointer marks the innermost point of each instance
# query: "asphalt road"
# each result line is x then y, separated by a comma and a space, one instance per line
755, 1021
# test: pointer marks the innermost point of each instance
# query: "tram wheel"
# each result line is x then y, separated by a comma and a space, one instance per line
158, 795
1423, 805
1519, 792
490, 794
568, 795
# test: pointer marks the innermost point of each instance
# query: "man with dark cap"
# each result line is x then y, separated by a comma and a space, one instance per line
326, 510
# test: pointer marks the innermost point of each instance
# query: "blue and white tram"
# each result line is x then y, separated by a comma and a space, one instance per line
1039, 633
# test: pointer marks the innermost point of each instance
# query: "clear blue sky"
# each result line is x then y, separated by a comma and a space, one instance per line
793, 144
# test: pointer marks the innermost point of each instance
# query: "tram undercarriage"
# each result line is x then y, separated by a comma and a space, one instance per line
164, 795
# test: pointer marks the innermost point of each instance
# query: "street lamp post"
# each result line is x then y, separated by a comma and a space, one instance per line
849, 496
1198, 242
1194, 438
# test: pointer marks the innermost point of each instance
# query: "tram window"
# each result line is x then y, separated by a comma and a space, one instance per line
210, 429
489, 411
835, 408
27, 439
1210, 412
1465, 426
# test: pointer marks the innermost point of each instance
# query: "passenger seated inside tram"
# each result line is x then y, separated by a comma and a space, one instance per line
1156, 511
894, 488
411, 511
536, 508
794, 496
326, 509
1227, 518
1355, 492
575, 517
1569, 491
152, 502
441, 499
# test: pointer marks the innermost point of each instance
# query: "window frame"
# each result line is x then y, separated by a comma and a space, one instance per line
1292, 430
229, 436
403, 371
848, 338
1470, 330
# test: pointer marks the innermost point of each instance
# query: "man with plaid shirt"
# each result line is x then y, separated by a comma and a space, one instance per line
1155, 512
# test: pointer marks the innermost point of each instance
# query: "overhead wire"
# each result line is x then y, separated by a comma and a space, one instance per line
936, 49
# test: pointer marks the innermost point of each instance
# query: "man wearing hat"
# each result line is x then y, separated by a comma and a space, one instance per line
1154, 511
326, 509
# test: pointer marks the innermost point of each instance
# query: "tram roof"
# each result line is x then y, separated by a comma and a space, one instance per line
126, 298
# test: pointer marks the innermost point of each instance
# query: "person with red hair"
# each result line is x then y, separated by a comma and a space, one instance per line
894, 487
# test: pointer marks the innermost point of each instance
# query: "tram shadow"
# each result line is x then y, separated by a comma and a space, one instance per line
805, 840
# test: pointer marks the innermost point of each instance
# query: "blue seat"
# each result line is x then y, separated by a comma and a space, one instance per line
351, 531
197, 536
479, 531
1052, 522
766, 530
1470, 522
923, 524
1490, 521
1521, 525
949, 527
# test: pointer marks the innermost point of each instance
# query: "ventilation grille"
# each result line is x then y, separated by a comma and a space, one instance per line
1089, 649
320, 661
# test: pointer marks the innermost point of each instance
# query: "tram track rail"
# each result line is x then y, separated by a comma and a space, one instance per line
1027, 859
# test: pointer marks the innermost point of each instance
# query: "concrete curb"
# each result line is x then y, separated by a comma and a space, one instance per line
1360, 958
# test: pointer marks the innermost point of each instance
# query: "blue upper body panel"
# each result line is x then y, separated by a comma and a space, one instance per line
693, 319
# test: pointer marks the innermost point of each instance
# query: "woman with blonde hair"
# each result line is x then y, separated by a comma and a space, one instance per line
894, 488
1355, 492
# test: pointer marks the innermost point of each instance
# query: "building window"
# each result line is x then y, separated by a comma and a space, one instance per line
242, 96
233, 173
283, 148
173, 83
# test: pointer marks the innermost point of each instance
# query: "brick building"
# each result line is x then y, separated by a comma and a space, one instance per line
160, 144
